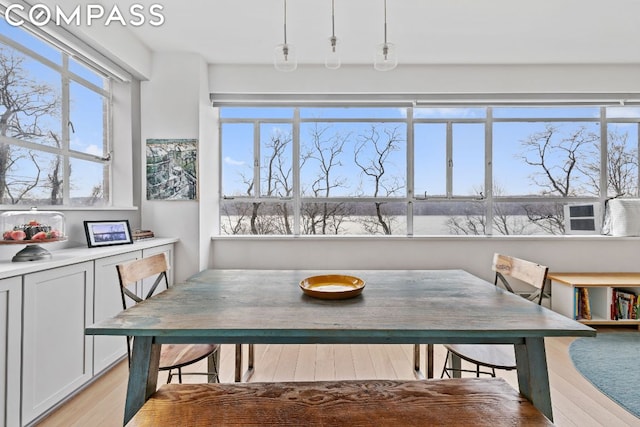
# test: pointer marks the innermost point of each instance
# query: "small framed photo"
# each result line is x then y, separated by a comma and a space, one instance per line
107, 233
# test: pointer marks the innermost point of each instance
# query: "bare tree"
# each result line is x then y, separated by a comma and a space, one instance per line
622, 166
55, 177
558, 158
26, 103
371, 155
325, 151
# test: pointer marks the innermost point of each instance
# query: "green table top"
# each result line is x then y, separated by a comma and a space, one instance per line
396, 306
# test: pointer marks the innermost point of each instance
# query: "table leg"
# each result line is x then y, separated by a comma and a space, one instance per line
249, 372
416, 361
455, 363
533, 376
143, 375
238, 375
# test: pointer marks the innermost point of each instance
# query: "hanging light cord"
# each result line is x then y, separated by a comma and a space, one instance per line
285, 47
333, 27
385, 47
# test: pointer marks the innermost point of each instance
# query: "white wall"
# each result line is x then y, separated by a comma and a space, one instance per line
474, 254
171, 103
430, 79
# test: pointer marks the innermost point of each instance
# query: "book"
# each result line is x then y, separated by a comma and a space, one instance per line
624, 303
585, 304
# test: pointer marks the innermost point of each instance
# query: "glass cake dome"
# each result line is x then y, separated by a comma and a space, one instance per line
32, 227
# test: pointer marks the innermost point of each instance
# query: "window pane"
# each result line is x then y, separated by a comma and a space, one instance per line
256, 112
86, 73
28, 40
622, 160
353, 113
32, 93
237, 160
353, 159
238, 217
326, 151
380, 157
87, 186
444, 218
623, 112
353, 218
545, 112
430, 160
87, 115
449, 113
276, 178
34, 177
468, 159
539, 217
538, 158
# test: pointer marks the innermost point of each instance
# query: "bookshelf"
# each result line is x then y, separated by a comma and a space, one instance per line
567, 297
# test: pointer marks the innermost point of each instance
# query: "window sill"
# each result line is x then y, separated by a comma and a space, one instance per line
576, 237
69, 208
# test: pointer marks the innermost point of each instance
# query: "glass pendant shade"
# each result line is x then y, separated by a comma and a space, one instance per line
332, 58
385, 58
284, 57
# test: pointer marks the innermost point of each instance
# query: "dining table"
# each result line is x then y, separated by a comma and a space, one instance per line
252, 306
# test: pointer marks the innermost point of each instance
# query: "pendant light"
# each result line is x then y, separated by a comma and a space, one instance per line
385, 57
332, 59
284, 55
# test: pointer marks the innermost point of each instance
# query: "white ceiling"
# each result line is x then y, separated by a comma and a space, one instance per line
424, 31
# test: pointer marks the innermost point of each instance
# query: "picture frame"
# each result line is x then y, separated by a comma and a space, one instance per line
172, 169
108, 233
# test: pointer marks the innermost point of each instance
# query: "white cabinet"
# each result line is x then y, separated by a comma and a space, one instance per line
10, 336
107, 302
57, 356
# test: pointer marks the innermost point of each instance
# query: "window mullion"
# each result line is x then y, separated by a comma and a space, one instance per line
66, 99
256, 159
449, 157
296, 171
604, 156
410, 171
488, 173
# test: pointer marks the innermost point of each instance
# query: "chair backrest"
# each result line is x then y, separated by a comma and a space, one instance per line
131, 275
520, 269
133, 272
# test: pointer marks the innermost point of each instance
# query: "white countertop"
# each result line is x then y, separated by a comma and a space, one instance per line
68, 256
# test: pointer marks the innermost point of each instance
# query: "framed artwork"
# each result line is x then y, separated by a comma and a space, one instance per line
107, 233
172, 169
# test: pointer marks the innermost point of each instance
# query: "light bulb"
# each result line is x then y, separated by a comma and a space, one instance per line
332, 58
385, 57
284, 57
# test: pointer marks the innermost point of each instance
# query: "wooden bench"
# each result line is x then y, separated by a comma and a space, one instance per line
466, 401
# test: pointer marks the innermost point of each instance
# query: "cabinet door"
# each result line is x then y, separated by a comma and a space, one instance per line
57, 355
10, 328
108, 303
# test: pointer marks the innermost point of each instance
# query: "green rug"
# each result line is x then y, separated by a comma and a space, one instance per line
611, 362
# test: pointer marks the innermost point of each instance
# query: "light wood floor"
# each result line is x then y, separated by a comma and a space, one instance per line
575, 401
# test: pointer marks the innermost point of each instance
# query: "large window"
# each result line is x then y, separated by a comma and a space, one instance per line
54, 122
421, 171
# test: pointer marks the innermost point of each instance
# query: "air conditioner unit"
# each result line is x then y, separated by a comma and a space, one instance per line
582, 218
